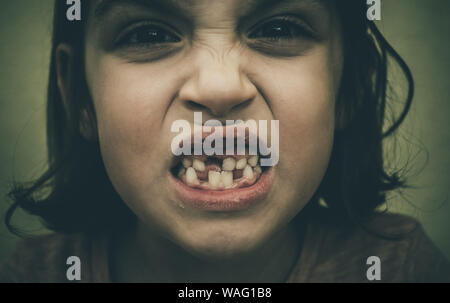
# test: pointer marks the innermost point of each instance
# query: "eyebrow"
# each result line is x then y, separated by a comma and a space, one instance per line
178, 6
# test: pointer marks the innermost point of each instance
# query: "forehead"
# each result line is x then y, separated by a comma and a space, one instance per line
189, 7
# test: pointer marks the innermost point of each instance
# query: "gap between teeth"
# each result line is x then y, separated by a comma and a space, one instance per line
220, 179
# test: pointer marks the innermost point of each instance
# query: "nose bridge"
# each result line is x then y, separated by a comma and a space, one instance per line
218, 82
219, 72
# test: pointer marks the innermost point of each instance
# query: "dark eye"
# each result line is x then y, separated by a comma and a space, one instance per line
278, 29
147, 35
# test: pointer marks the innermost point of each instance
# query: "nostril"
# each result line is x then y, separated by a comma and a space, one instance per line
194, 106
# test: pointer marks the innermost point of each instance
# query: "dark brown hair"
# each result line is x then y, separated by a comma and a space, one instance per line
75, 194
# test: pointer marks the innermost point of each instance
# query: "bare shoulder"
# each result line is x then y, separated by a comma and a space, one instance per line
42, 258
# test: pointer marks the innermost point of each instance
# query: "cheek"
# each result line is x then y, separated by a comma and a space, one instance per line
130, 105
307, 119
302, 95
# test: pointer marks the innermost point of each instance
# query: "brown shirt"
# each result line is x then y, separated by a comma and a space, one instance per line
329, 254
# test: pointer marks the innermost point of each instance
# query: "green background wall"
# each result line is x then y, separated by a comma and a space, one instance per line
418, 29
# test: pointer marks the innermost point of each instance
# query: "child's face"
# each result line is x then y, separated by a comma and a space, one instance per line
229, 61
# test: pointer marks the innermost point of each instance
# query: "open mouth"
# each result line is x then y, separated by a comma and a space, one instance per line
218, 172
221, 182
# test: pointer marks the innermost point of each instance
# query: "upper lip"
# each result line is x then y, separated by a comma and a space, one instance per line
204, 134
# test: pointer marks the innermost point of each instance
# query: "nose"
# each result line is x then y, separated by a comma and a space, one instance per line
217, 86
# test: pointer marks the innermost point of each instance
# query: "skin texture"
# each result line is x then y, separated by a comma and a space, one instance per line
138, 92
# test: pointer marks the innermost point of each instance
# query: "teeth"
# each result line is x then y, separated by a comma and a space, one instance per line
248, 172
181, 172
258, 169
191, 176
228, 164
220, 179
187, 162
227, 178
198, 165
241, 163
253, 161
214, 179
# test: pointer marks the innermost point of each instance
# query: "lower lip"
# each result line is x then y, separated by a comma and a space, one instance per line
227, 200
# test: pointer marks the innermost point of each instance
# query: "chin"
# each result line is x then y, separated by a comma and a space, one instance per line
221, 245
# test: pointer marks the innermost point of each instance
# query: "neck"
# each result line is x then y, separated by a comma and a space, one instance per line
142, 256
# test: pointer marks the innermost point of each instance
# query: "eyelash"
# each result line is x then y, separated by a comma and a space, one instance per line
297, 29
292, 26
124, 40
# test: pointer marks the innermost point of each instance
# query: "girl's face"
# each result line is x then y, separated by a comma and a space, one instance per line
150, 63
